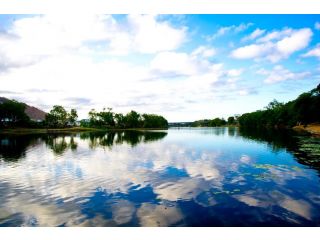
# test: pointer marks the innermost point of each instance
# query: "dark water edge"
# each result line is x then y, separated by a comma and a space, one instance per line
304, 146
179, 177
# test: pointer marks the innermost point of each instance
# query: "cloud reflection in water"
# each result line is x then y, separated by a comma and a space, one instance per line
152, 179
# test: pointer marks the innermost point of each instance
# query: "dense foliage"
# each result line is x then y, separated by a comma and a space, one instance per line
12, 113
107, 118
303, 110
58, 117
216, 122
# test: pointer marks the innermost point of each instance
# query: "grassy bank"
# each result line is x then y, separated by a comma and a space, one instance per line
314, 128
66, 130
46, 130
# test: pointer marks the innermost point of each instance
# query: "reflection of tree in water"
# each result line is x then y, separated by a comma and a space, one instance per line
60, 144
232, 131
306, 148
14, 147
154, 136
108, 139
218, 131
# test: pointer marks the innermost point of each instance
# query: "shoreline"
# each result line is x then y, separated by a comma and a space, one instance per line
68, 130
313, 129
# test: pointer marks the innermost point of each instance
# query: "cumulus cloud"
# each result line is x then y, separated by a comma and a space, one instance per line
276, 35
173, 62
235, 72
276, 45
256, 33
151, 36
315, 52
247, 91
317, 25
79, 102
233, 75
60, 55
204, 51
30, 39
280, 74
181, 63
233, 28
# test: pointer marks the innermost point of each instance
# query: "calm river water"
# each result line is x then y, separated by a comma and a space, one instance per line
178, 177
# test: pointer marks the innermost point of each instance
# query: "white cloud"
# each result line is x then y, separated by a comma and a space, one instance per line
30, 39
233, 75
251, 51
256, 33
78, 58
204, 52
315, 52
287, 42
247, 91
280, 74
235, 72
276, 35
64, 53
151, 36
233, 28
174, 63
317, 25
180, 63
296, 41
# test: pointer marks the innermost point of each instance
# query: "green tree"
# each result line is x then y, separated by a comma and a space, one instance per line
217, 122
57, 117
133, 119
231, 120
12, 113
154, 121
72, 117
94, 119
303, 110
120, 120
106, 117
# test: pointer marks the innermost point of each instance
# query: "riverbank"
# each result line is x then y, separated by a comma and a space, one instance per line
67, 130
46, 130
313, 129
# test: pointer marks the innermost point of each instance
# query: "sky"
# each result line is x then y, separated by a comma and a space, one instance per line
184, 67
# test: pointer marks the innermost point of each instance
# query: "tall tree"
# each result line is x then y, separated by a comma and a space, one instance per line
106, 117
133, 119
57, 117
12, 113
72, 117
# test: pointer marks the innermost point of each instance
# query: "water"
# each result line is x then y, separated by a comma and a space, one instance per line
179, 177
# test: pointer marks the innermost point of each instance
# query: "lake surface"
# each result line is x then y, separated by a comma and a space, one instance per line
178, 177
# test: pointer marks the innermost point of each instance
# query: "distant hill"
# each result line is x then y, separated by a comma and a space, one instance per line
32, 112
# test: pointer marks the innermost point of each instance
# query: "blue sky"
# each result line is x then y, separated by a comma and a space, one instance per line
185, 67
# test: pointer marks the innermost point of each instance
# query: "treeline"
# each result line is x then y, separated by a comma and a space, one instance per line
12, 113
107, 118
58, 117
301, 111
216, 122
